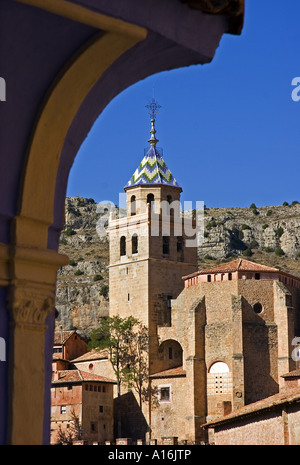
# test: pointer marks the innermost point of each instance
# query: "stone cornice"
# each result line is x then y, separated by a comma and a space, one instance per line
30, 276
28, 264
30, 307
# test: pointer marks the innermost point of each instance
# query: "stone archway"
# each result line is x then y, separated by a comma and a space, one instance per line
32, 293
170, 353
121, 52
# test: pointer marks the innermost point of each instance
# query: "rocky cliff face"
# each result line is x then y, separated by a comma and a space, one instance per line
82, 286
274, 230
269, 235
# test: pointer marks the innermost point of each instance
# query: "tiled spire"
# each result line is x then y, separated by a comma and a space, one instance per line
152, 169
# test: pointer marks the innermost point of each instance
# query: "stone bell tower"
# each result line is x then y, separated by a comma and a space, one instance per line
149, 247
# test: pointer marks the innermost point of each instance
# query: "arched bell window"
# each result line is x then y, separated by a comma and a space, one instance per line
123, 246
133, 205
150, 200
134, 243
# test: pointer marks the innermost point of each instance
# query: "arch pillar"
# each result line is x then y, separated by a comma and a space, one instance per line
27, 267
30, 277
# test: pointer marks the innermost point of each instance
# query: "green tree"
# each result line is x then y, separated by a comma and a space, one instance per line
245, 226
136, 373
279, 251
69, 231
247, 253
126, 340
104, 290
279, 231
78, 273
254, 244
254, 209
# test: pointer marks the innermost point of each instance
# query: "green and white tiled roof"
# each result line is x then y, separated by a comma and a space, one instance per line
152, 170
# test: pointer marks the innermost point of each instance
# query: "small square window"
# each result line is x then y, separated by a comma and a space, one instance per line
164, 394
63, 409
101, 408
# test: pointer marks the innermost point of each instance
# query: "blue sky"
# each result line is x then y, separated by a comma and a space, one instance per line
229, 130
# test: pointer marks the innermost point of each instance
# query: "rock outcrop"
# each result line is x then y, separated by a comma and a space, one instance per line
269, 235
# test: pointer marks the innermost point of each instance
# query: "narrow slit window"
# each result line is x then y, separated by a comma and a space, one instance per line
166, 244
134, 243
123, 246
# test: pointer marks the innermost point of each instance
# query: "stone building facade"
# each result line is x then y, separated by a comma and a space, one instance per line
220, 338
68, 345
271, 421
235, 324
86, 395
148, 256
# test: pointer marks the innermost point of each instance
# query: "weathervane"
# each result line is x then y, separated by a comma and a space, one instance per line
153, 108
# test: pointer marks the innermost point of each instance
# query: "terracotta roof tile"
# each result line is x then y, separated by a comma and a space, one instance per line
93, 354
60, 337
286, 396
177, 371
78, 376
240, 264
292, 374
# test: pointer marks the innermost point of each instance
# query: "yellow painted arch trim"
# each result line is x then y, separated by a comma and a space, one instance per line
67, 94
27, 268
89, 17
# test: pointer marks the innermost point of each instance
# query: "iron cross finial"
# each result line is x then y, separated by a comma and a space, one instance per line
153, 107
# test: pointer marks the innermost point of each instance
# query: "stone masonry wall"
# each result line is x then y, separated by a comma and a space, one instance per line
268, 430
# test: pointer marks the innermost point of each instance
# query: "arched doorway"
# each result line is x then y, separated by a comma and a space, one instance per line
120, 48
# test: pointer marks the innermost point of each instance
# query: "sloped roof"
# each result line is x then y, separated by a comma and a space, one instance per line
171, 372
78, 376
286, 396
292, 374
240, 264
93, 354
152, 171
61, 337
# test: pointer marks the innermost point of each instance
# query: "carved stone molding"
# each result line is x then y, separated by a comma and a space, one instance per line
29, 274
29, 307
